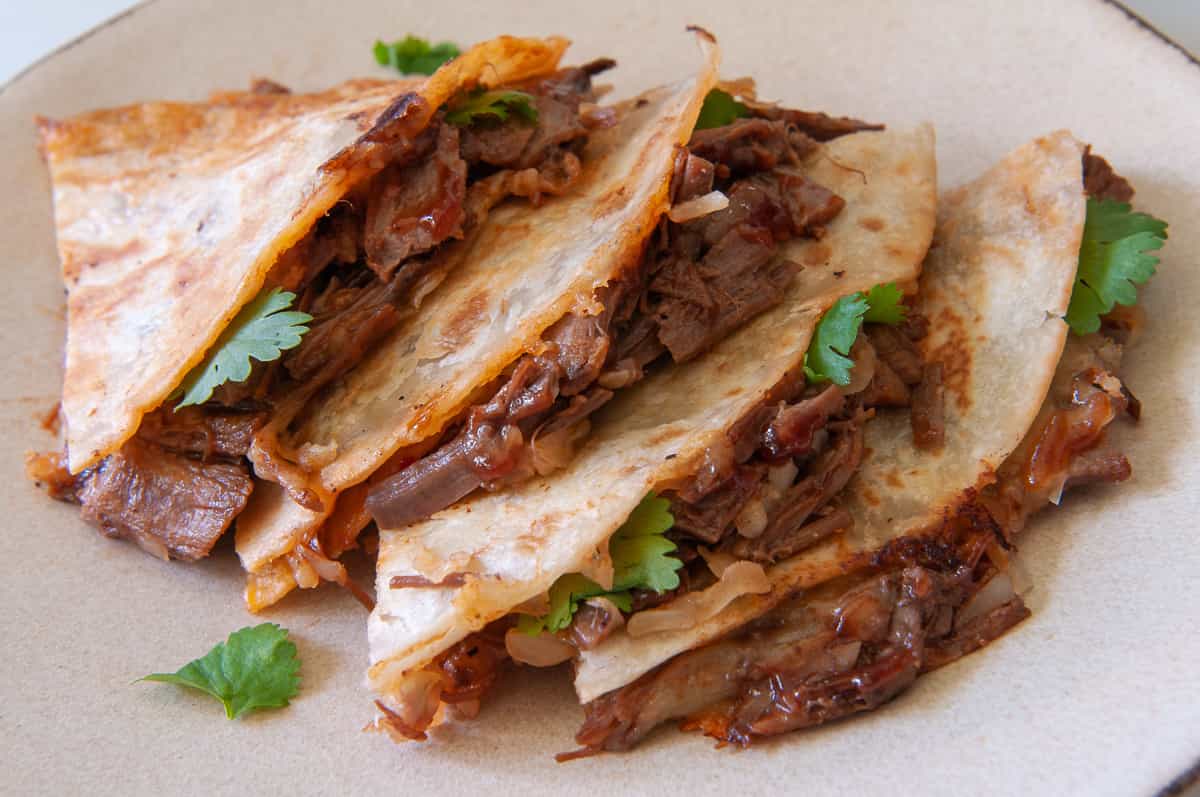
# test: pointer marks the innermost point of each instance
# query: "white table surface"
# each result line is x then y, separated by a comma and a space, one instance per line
30, 30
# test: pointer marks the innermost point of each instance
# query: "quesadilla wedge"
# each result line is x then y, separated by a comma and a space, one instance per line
546, 318
197, 238
520, 571
928, 575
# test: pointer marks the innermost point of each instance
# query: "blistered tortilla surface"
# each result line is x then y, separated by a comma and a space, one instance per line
169, 216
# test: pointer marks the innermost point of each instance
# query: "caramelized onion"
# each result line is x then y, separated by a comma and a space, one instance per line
752, 520
698, 207
995, 593
555, 450
717, 561
689, 611
543, 650
863, 354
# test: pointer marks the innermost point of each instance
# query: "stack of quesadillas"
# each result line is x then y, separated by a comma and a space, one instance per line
713, 398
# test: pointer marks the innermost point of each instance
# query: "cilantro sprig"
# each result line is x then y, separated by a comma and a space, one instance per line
254, 668
413, 55
260, 331
640, 558
827, 358
497, 104
1113, 259
720, 109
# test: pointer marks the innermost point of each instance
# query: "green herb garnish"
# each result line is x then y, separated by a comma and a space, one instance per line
640, 561
827, 359
1113, 259
260, 331
415, 56
720, 109
479, 105
254, 668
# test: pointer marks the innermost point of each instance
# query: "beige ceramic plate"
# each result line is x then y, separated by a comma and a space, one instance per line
1098, 693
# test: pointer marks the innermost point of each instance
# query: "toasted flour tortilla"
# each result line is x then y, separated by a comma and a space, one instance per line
995, 289
513, 545
170, 215
508, 283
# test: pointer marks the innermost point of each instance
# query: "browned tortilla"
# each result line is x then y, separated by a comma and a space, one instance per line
512, 545
170, 215
995, 288
516, 276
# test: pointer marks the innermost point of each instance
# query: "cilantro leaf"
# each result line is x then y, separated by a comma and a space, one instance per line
639, 549
565, 596
498, 103
1113, 259
826, 359
720, 109
254, 668
886, 305
639, 553
259, 331
415, 56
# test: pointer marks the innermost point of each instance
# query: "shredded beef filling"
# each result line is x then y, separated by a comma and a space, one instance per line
177, 486
697, 282
856, 643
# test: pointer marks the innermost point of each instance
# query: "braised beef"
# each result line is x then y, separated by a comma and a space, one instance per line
748, 146
929, 409
787, 533
695, 284
709, 518
594, 622
1100, 181
202, 433
896, 349
413, 207
849, 646
168, 504
817, 126
790, 433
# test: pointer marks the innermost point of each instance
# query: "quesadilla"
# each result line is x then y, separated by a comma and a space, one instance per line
545, 318
585, 541
906, 568
197, 238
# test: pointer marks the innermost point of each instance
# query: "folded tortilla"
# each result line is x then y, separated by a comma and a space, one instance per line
995, 289
508, 548
170, 215
520, 274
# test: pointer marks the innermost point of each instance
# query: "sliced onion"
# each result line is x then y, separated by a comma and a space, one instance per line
689, 611
418, 697
717, 561
781, 476
698, 207
555, 450
863, 354
543, 650
752, 520
306, 576
995, 593
845, 656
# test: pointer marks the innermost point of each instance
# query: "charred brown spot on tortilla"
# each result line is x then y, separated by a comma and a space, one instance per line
954, 355
872, 223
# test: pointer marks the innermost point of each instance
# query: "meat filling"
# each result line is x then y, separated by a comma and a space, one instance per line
179, 483
859, 641
697, 282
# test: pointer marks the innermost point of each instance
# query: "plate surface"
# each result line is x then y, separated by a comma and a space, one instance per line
1095, 694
